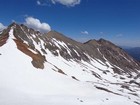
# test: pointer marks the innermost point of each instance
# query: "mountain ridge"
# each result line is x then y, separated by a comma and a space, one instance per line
71, 49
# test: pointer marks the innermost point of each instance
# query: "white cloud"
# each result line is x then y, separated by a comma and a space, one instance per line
38, 2
101, 32
85, 32
41, 2
37, 25
2, 27
67, 2
119, 35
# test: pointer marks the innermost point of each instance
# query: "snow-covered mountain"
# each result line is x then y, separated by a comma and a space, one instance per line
51, 69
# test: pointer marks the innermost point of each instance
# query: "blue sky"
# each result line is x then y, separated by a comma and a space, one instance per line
114, 20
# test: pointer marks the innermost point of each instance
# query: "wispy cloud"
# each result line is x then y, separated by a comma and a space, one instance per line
37, 25
38, 2
101, 32
41, 2
2, 27
119, 35
85, 32
67, 2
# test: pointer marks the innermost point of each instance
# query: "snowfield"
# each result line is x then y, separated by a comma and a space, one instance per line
80, 83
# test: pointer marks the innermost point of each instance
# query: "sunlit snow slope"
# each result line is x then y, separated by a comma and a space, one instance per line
51, 69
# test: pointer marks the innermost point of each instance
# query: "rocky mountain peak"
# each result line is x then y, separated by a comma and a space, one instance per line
92, 42
13, 24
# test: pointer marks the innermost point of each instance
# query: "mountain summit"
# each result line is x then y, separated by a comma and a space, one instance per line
53, 69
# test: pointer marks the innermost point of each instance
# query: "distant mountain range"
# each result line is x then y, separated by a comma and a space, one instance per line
133, 51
